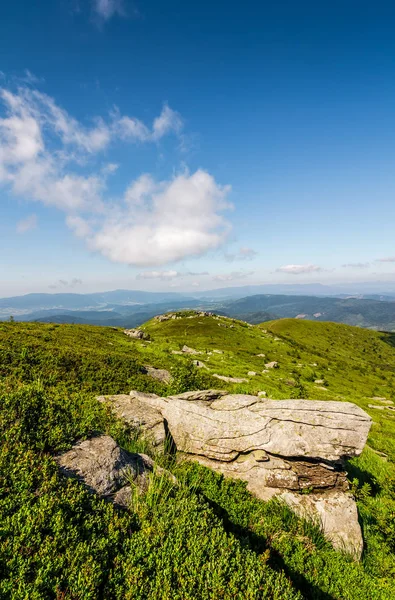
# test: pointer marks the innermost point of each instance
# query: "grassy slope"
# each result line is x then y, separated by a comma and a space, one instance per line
209, 538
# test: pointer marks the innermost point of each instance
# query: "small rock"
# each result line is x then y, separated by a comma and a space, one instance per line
261, 355
319, 381
251, 373
176, 352
378, 407
188, 350
159, 374
138, 334
230, 379
218, 351
262, 394
272, 365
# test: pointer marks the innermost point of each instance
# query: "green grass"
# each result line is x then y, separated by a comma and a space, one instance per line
207, 537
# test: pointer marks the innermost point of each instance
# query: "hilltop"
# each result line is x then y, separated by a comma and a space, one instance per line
208, 538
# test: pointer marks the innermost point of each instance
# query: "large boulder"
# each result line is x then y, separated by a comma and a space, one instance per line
293, 449
108, 470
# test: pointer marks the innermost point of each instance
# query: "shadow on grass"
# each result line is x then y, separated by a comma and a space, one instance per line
388, 338
355, 472
258, 544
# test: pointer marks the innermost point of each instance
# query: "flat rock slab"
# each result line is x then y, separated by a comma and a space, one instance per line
134, 411
314, 429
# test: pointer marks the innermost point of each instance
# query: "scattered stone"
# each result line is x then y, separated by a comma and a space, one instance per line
218, 351
272, 365
159, 374
384, 401
176, 352
262, 394
133, 410
319, 381
251, 373
188, 350
265, 371
138, 334
230, 379
377, 406
261, 355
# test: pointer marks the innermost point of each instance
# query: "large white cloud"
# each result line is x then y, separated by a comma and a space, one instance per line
44, 156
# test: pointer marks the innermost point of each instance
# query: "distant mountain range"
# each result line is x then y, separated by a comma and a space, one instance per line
129, 308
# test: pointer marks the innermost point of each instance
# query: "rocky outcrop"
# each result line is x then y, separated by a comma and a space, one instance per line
138, 415
108, 470
293, 449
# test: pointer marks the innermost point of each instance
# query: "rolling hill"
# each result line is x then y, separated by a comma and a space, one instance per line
207, 538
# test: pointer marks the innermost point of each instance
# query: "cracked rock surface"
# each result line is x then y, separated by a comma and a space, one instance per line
279, 447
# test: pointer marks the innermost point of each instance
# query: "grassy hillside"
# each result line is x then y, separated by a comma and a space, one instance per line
208, 538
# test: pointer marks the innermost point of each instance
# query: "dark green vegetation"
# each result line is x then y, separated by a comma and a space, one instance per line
207, 538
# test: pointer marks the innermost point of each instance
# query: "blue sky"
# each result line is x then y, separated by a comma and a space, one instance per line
157, 145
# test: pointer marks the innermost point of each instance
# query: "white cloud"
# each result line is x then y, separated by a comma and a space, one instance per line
389, 259
106, 9
45, 154
233, 276
170, 221
299, 269
356, 265
27, 224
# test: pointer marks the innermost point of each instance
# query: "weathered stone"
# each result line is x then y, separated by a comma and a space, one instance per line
230, 379
272, 365
251, 373
200, 395
108, 470
261, 355
139, 415
159, 374
289, 428
188, 350
335, 513
138, 334
102, 465
262, 394
280, 448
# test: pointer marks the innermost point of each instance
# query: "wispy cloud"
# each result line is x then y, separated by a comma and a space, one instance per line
243, 253
63, 283
299, 269
233, 276
388, 259
26, 224
105, 9
356, 265
46, 156
168, 275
